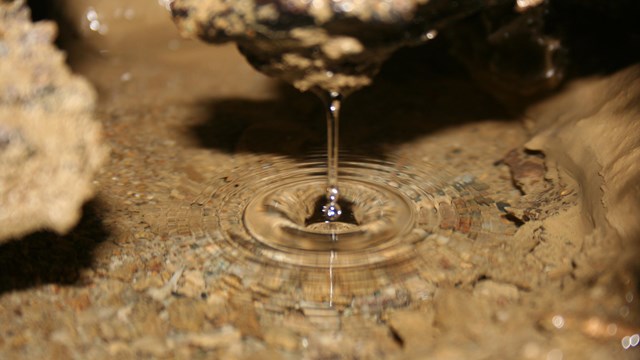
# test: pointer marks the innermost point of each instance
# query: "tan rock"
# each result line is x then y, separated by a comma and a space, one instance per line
187, 314
50, 145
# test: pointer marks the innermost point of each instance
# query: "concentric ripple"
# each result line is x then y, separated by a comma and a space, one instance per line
270, 211
401, 217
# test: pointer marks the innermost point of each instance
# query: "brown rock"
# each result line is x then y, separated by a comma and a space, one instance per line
282, 338
244, 316
225, 337
457, 311
187, 314
415, 328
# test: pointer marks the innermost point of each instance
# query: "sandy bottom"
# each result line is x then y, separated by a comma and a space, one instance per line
143, 275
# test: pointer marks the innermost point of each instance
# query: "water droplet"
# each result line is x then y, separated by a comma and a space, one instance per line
129, 14
555, 354
624, 311
91, 15
634, 340
558, 321
94, 25
332, 211
430, 35
629, 297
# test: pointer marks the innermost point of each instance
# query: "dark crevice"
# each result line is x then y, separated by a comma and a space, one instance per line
48, 11
41, 10
535, 153
480, 278
396, 337
514, 219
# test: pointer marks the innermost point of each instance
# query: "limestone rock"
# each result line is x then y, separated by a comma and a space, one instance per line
50, 145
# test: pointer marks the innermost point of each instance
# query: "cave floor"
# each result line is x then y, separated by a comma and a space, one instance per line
145, 275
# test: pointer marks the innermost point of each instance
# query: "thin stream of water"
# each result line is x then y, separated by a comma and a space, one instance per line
332, 209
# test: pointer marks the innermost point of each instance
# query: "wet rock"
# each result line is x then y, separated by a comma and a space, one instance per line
415, 328
217, 310
527, 171
150, 346
373, 345
244, 316
187, 314
334, 46
419, 289
120, 349
80, 302
282, 338
457, 312
322, 317
125, 271
224, 337
265, 354
144, 316
499, 292
161, 293
509, 48
194, 285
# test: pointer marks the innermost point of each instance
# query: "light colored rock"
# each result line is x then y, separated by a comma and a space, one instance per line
500, 292
187, 314
415, 328
282, 338
150, 346
225, 337
50, 145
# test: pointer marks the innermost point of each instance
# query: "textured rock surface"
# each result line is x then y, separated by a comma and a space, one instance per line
50, 146
325, 44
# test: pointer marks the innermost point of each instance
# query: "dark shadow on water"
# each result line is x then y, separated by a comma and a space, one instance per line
419, 91
48, 258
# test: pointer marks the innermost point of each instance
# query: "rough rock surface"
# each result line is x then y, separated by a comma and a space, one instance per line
50, 146
322, 44
592, 132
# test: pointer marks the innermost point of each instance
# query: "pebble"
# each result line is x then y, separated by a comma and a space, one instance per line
282, 338
225, 337
438, 238
244, 316
120, 349
414, 327
160, 294
187, 314
150, 345
193, 283
456, 311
